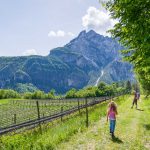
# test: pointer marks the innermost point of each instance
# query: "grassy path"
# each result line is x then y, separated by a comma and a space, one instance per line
132, 131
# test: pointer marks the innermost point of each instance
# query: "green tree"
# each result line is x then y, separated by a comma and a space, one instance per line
99, 93
128, 86
102, 86
27, 95
38, 95
9, 94
133, 30
71, 93
51, 94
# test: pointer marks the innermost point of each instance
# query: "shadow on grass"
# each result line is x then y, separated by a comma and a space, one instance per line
147, 126
139, 109
116, 140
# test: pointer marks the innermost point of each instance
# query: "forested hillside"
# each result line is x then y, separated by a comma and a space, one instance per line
76, 65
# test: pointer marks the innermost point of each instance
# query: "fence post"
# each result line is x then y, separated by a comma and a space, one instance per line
15, 118
61, 113
94, 100
38, 110
105, 98
43, 117
78, 105
87, 117
38, 113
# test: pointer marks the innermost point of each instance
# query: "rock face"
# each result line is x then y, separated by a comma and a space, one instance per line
77, 64
117, 71
97, 48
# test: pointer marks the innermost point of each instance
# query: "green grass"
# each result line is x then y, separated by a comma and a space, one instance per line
132, 131
6, 101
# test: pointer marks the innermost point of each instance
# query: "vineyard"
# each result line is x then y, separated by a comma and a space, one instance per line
23, 113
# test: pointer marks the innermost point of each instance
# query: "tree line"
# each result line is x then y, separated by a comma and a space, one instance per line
102, 89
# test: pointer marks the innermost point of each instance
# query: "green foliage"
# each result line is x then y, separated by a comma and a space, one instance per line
133, 31
87, 92
71, 93
39, 95
51, 94
102, 86
128, 86
4, 94
107, 89
27, 95
103, 89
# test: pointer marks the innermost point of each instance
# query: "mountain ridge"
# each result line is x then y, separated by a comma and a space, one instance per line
76, 65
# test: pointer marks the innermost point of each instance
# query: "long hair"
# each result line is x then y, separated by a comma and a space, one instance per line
113, 106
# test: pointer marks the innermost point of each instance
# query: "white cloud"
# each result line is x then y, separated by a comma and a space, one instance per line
30, 52
70, 34
52, 33
98, 20
59, 33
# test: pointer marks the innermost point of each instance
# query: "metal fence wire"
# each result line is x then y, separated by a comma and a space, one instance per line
22, 113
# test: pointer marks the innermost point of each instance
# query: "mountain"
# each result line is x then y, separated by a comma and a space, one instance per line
117, 71
79, 63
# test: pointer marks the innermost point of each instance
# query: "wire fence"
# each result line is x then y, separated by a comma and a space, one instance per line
22, 113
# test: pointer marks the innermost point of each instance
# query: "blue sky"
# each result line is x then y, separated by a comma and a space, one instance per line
36, 26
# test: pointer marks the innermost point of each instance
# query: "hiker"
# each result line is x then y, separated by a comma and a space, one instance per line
135, 99
111, 114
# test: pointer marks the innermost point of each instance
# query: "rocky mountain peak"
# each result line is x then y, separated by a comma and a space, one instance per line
75, 65
82, 34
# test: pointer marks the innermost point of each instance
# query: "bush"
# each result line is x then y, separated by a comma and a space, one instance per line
38, 95
71, 93
9, 94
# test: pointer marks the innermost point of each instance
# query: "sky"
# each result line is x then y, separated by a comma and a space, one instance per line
34, 27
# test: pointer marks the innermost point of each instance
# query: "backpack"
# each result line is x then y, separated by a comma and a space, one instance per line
137, 95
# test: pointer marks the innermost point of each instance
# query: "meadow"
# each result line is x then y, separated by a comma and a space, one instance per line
132, 131
57, 131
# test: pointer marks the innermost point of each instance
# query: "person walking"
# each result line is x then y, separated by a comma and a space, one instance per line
135, 99
111, 115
